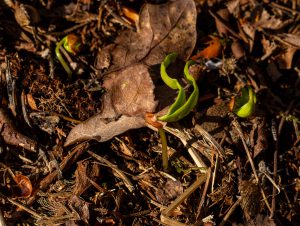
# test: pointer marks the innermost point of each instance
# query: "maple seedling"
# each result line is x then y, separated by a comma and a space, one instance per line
71, 44
244, 105
181, 107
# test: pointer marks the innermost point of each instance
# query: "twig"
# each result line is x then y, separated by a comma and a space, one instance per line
24, 110
224, 23
33, 213
188, 142
230, 211
127, 182
239, 130
214, 173
11, 88
118, 18
276, 5
211, 140
275, 159
202, 200
168, 211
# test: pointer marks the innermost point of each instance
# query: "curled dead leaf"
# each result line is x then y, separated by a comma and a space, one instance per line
130, 15
213, 49
31, 102
12, 136
24, 185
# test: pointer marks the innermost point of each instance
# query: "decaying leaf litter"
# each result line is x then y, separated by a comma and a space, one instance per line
81, 150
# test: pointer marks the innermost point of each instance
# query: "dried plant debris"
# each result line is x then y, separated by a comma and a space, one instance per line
66, 155
129, 88
12, 136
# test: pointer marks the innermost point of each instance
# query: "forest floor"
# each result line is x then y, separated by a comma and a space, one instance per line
90, 112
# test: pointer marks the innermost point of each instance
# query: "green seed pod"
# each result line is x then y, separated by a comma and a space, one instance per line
72, 44
244, 105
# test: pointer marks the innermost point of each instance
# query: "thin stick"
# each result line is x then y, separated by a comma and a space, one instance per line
226, 217
200, 180
239, 130
275, 5
202, 200
33, 213
275, 159
121, 175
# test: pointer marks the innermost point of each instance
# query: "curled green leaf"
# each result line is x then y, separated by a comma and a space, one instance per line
244, 105
173, 84
72, 44
180, 108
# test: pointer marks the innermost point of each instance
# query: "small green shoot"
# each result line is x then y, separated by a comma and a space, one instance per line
244, 105
72, 44
181, 107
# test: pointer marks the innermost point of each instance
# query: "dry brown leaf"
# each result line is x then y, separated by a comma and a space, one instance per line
163, 29
130, 95
237, 49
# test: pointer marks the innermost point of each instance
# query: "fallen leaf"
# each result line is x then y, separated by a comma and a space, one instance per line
126, 102
130, 90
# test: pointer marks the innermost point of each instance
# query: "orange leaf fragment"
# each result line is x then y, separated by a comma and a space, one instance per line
31, 102
130, 15
213, 49
24, 184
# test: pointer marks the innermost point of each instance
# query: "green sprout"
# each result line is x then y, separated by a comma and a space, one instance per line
71, 44
181, 107
244, 105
